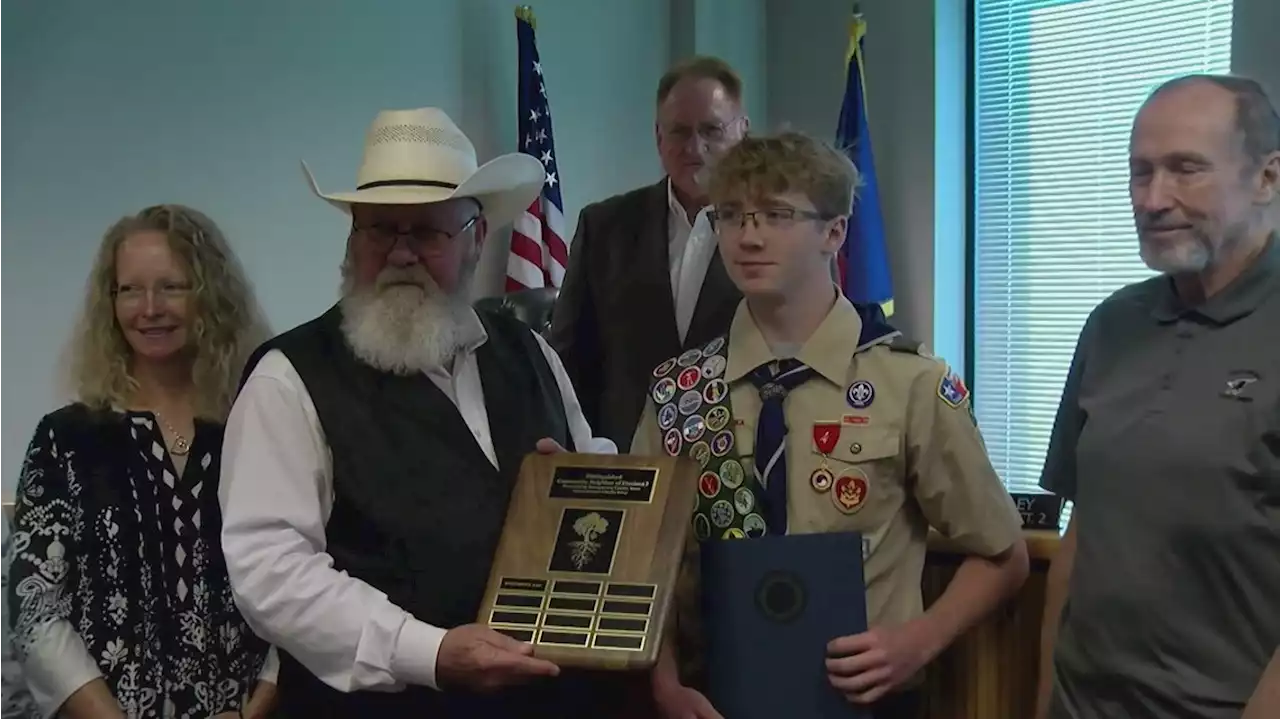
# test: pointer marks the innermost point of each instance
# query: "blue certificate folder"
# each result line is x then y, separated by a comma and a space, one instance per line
770, 606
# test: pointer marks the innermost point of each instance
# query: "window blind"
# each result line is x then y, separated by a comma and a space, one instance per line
1056, 86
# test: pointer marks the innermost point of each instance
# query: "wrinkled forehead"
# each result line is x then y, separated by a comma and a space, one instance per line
695, 101
435, 214
1195, 120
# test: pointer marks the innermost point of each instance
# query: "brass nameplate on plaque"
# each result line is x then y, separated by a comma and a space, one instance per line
587, 563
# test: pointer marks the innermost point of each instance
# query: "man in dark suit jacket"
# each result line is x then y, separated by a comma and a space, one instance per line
645, 279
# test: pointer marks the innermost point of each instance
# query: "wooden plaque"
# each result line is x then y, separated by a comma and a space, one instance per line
587, 563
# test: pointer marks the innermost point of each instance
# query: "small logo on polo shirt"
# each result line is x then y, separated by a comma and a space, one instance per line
1238, 386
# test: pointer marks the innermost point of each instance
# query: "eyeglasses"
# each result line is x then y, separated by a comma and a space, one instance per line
383, 235
706, 131
730, 220
164, 292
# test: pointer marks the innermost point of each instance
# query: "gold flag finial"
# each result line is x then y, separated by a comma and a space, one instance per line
525, 12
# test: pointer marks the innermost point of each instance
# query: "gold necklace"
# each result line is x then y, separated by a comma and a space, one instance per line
180, 444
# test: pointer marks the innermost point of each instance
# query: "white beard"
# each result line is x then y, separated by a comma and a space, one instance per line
1176, 258
402, 329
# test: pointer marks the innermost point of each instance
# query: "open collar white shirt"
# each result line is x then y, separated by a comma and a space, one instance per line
691, 247
276, 493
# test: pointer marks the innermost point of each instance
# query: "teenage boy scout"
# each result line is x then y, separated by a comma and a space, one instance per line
813, 415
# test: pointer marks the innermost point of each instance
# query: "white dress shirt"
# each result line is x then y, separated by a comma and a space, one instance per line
277, 493
691, 247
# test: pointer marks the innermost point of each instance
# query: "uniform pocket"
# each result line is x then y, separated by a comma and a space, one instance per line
858, 445
865, 468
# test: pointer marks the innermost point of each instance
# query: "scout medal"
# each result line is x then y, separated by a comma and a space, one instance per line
825, 436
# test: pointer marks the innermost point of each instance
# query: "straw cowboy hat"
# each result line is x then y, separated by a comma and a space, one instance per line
419, 156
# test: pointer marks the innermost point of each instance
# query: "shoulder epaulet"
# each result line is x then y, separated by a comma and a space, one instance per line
910, 346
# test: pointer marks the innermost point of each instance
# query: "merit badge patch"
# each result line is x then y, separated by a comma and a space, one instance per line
665, 368
709, 484
701, 527
700, 452
714, 366
860, 394
732, 474
721, 513
715, 391
722, 443
672, 442
952, 389
690, 401
717, 418
667, 416
689, 358
688, 378
664, 391
693, 429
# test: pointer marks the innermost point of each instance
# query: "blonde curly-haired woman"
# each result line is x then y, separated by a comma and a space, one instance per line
118, 590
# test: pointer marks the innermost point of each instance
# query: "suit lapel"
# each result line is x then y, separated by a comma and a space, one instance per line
655, 254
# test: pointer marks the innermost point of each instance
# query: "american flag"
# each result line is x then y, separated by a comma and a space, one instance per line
539, 253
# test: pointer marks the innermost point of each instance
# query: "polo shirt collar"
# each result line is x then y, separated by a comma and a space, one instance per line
1237, 299
846, 330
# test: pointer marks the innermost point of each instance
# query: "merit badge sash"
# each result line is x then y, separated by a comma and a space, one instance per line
696, 421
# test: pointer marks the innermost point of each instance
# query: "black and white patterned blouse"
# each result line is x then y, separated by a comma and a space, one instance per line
112, 543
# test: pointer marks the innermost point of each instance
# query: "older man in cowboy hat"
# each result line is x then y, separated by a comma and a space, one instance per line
370, 454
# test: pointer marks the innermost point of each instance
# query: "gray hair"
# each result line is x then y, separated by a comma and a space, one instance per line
1256, 117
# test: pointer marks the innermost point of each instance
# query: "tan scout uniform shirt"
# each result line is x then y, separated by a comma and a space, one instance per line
924, 461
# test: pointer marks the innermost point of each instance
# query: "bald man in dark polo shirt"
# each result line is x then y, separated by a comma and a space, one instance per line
1164, 599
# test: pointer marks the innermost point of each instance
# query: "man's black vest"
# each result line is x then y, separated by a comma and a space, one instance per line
418, 507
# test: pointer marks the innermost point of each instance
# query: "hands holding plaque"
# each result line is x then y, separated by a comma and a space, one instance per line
481, 659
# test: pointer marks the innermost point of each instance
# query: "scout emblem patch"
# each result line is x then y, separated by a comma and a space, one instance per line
952, 389
696, 417
860, 394
849, 492
825, 437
